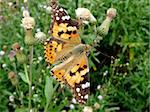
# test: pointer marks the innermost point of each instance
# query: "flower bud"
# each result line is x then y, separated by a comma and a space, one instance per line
87, 109
13, 78
5, 48
85, 15
104, 28
29, 39
21, 58
96, 105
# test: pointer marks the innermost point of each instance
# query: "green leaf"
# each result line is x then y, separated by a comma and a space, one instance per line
24, 77
49, 88
21, 110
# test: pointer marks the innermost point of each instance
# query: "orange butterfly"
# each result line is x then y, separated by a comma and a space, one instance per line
65, 50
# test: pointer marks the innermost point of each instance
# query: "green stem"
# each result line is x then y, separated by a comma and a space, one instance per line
77, 1
47, 104
30, 76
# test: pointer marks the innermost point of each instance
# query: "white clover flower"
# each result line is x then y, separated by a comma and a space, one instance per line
100, 97
71, 106
105, 73
40, 36
4, 65
127, 64
33, 87
11, 98
87, 109
99, 87
40, 58
38, 30
25, 1
2, 53
85, 15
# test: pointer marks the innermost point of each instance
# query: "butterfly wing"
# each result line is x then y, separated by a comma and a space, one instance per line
63, 26
64, 35
74, 72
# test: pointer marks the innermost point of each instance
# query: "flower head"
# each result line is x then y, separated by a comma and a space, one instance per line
85, 15
40, 36
87, 109
27, 22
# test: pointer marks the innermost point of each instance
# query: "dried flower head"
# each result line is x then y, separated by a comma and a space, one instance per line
12, 55
16, 46
40, 36
11, 75
13, 78
87, 109
96, 105
85, 15
28, 22
111, 13
5, 48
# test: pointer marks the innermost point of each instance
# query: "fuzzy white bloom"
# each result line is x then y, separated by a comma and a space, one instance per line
99, 87
40, 36
33, 87
85, 15
87, 109
11, 98
100, 97
40, 58
25, 1
105, 73
10, 4
27, 22
21, 48
4, 65
71, 106
2, 53
48, 10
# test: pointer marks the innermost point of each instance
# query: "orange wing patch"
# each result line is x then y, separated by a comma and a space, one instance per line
51, 47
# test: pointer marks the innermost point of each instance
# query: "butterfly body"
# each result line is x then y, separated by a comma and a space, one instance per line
65, 50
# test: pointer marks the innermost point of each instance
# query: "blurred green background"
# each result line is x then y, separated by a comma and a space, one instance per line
118, 85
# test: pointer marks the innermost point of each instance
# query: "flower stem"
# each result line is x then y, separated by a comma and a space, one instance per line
47, 104
30, 76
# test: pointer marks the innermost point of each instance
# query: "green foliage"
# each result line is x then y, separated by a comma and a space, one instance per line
124, 81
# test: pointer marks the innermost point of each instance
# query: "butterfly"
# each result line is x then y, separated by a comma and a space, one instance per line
65, 51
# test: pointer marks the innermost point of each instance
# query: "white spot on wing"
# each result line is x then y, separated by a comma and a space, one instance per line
86, 96
78, 90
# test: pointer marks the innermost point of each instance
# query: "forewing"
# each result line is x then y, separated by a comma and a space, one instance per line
63, 26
